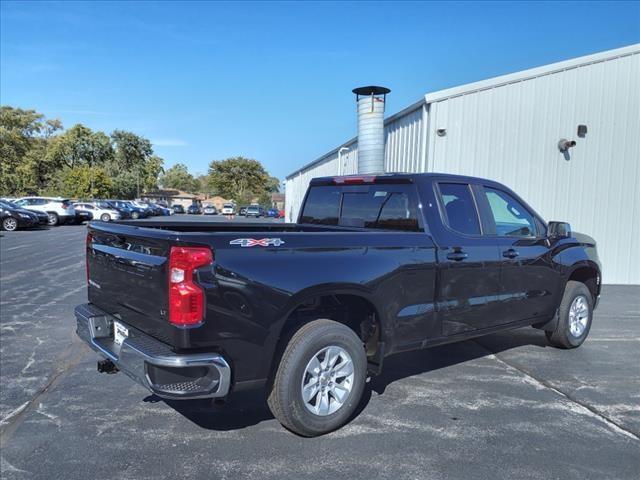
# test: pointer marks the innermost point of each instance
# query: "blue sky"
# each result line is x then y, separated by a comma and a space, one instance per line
273, 81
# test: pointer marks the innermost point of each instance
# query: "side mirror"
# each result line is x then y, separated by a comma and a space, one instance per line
558, 230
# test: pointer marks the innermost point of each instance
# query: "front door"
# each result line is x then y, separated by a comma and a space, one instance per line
528, 279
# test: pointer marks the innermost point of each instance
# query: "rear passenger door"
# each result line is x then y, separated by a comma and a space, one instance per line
469, 262
528, 278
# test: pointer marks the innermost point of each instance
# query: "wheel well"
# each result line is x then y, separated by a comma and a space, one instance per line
588, 276
356, 312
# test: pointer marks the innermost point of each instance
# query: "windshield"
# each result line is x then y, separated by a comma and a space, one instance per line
7, 204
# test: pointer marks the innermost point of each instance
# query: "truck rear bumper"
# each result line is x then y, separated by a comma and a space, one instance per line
151, 363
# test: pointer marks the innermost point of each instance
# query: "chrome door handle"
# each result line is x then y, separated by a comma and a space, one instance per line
511, 253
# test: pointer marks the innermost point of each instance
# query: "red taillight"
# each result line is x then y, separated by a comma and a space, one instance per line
354, 180
88, 245
186, 298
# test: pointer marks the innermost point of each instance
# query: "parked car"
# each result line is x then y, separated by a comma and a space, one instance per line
83, 216
136, 210
12, 217
228, 209
125, 212
209, 210
254, 211
59, 210
146, 207
242, 211
374, 266
194, 209
100, 210
178, 208
273, 213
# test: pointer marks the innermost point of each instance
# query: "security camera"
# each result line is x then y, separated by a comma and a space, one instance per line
564, 145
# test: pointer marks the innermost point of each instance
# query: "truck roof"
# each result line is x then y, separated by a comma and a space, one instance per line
393, 177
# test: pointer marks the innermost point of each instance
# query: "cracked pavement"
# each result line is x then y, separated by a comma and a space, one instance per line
502, 406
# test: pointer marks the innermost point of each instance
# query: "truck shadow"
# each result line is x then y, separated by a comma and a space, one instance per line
245, 409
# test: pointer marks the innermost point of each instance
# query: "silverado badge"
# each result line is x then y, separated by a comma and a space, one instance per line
252, 242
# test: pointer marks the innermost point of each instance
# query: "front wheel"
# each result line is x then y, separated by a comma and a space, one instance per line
574, 317
53, 219
9, 224
105, 217
320, 378
135, 215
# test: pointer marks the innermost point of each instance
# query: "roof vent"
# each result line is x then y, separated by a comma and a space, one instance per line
370, 101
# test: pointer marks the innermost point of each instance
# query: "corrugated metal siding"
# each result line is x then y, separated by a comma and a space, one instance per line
510, 134
404, 142
296, 185
507, 129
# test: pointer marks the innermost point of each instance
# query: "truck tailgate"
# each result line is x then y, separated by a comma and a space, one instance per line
127, 277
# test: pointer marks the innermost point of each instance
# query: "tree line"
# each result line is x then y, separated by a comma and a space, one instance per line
239, 178
39, 157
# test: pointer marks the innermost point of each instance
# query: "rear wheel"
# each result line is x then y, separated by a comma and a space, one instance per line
135, 215
105, 217
9, 224
574, 317
53, 219
320, 378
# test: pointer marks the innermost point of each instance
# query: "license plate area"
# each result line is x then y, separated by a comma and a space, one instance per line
120, 333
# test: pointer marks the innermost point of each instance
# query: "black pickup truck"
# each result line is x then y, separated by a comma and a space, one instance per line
374, 266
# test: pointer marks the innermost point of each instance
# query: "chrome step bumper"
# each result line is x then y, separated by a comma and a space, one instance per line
152, 363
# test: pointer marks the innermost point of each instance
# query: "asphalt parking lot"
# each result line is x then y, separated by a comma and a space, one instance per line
504, 406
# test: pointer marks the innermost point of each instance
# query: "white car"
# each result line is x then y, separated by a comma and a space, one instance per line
228, 209
59, 210
98, 212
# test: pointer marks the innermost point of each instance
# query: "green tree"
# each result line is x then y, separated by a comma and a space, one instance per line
85, 181
238, 178
178, 177
131, 150
23, 139
134, 167
79, 146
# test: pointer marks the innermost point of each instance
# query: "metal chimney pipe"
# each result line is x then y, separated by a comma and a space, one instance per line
370, 102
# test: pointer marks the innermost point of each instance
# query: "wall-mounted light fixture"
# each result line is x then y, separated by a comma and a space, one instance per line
582, 131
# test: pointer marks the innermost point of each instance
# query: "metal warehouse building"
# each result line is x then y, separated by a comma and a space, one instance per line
508, 128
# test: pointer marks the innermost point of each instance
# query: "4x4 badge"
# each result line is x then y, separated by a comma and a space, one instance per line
252, 242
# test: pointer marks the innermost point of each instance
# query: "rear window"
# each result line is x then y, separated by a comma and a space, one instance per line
391, 207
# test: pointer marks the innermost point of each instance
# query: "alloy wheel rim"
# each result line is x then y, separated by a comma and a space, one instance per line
578, 315
52, 218
10, 224
327, 381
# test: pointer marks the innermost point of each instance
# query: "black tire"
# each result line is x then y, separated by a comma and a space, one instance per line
53, 219
10, 224
562, 336
105, 217
285, 398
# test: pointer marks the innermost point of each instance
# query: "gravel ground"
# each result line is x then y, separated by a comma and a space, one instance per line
503, 406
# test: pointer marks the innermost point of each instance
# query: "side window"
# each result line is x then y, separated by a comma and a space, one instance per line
322, 206
459, 207
512, 219
21, 203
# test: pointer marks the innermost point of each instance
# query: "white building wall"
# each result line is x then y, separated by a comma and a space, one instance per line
510, 133
507, 129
